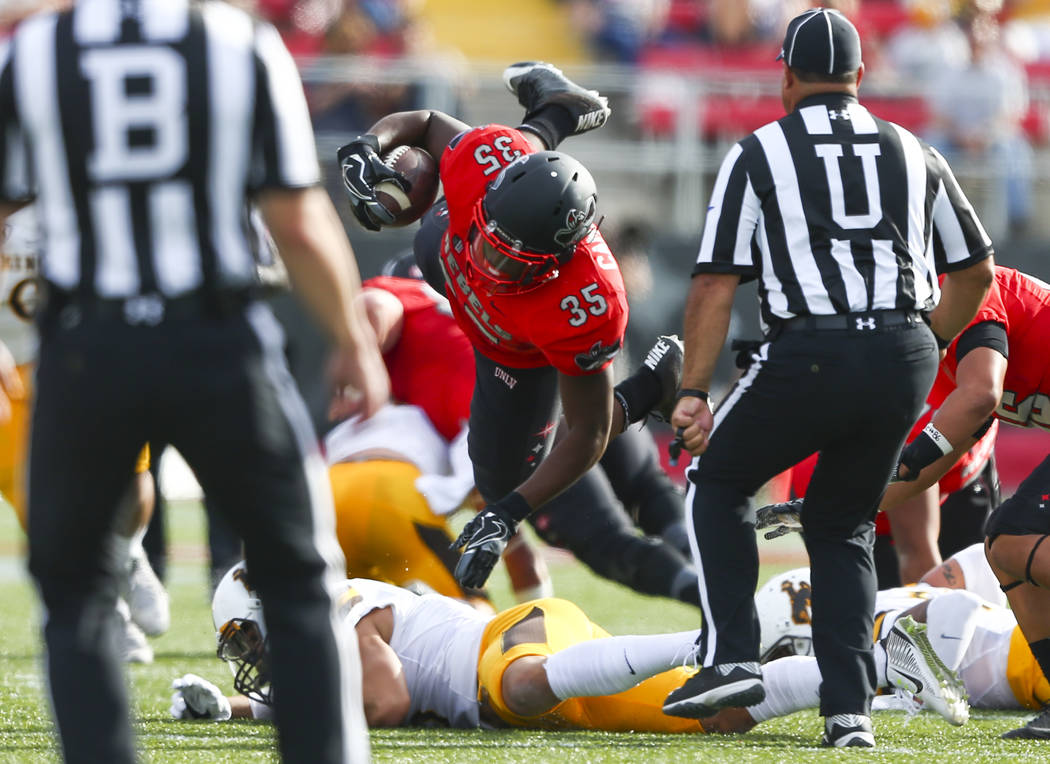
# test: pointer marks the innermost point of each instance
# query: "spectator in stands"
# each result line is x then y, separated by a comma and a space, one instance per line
618, 30
976, 110
391, 29
302, 23
932, 41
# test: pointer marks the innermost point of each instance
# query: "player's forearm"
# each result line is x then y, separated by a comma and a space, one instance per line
707, 315
961, 295
574, 454
427, 128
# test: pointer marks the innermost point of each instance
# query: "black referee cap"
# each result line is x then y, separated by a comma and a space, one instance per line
821, 41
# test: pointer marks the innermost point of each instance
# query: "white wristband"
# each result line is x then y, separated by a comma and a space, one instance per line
938, 439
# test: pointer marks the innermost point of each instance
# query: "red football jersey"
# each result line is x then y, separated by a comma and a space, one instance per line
432, 364
574, 322
962, 473
1021, 303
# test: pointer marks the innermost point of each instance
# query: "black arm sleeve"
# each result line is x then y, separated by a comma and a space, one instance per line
987, 334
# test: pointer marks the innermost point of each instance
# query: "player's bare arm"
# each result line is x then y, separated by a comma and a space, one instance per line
427, 128
382, 677
978, 388
962, 293
707, 314
321, 264
587, 405
385, 314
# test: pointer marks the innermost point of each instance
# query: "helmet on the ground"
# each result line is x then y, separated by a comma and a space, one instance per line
530, 220
241, 634
785, 615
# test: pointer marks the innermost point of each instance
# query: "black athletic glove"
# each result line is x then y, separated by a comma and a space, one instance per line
928, 446
783, 517
362, 170
485, 537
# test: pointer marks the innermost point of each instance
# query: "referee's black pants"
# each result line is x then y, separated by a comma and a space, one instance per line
218, 390
852, 396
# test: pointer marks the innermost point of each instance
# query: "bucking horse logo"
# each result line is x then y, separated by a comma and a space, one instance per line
800, 600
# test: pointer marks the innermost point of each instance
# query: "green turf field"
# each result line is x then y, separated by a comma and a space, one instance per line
25, 727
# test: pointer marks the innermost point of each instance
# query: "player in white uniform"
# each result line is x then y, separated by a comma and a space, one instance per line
541, 664
395, 480
144, 607
970, 635
429, 658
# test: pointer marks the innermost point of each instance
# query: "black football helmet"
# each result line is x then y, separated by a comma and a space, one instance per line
530, 221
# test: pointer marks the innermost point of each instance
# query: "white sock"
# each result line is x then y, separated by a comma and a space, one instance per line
120, 547
614, 664
881, 659
950, 623
791, 683
136, 540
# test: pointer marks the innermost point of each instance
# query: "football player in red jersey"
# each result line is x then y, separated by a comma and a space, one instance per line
916, 534
1000, 367
534, 287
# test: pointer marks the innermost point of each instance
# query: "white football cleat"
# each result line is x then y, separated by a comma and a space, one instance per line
134, 647
147, 599
912, 665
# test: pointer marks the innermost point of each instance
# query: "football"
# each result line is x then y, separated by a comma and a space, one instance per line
421, 171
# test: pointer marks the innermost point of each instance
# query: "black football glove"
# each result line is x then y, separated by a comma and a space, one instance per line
783, 517
483, 540
362, 170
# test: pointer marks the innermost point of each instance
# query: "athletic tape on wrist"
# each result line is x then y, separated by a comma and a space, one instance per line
938, 438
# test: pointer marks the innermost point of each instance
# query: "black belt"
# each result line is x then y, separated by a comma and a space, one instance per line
145, 310
871, 320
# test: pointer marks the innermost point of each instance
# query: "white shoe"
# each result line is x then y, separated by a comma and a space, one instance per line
913, 666
133, 643
147, 598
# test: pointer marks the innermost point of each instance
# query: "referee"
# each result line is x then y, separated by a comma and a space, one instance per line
845, 220
144, 129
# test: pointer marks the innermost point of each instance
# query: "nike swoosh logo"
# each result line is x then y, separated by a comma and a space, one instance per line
498, 533
347, 168
913, 679
629, 666
945, 636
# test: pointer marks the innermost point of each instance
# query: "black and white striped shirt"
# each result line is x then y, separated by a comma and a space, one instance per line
143, 128
837, 211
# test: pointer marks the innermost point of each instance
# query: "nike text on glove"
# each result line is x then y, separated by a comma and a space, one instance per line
362, 170
485, 537
197, 698
783, 518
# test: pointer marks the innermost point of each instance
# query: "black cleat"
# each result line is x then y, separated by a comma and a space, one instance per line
664, 359
1037, 729
848, 731
538, 84
716, 687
